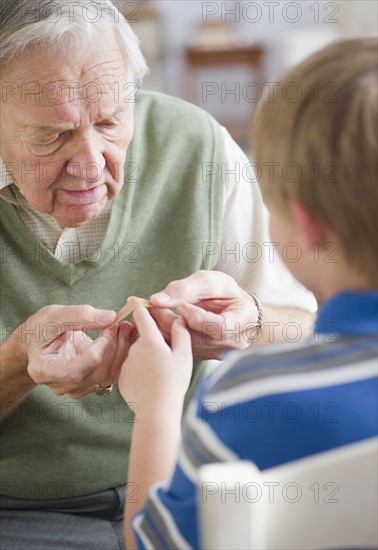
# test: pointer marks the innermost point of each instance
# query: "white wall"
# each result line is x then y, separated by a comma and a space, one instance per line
289, 31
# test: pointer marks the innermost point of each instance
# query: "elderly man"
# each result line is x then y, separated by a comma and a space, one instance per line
96, 208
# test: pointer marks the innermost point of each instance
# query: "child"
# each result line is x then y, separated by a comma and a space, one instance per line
315, 142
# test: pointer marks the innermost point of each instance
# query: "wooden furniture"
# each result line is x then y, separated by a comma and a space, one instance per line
199, 57
252, 55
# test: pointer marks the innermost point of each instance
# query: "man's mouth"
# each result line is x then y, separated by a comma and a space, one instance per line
85, 196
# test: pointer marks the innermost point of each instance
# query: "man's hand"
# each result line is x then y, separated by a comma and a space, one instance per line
154, 371
217, 311
60, 355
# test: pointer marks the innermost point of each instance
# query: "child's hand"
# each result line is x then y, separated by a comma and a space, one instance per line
153, 371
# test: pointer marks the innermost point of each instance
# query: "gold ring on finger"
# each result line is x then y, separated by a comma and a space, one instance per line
100, 390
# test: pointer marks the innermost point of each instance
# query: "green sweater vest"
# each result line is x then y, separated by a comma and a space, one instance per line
55, 447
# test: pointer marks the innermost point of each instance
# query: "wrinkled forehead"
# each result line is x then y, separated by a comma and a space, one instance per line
42, 78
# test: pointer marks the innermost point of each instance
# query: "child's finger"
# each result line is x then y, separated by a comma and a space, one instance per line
180, 338
164, 318
147, 327
127, 332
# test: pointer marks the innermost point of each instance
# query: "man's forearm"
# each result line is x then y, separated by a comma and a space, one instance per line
15, 382
284, 323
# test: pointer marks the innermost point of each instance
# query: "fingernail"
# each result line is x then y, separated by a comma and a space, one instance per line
180, 321
161, 297
105, 316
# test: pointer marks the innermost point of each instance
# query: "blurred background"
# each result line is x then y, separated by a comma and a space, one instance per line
222, 55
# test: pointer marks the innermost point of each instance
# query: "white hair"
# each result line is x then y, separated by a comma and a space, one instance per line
60, 25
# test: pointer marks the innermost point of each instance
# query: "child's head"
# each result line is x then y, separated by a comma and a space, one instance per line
315, 143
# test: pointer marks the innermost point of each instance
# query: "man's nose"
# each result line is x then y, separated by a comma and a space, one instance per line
87, 160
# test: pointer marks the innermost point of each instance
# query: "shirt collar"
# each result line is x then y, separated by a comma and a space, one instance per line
349, 313
5, 177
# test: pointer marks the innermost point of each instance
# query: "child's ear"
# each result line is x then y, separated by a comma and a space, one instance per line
309, 229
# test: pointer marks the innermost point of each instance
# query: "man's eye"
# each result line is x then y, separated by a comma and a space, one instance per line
108, 125
49, 146
111, 131
110, 128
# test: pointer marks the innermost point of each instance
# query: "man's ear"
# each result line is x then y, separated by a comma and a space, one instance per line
309, 230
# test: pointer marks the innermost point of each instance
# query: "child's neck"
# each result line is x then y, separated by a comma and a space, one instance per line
342, 278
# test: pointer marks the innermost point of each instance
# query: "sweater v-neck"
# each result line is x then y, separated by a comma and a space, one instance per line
70, 273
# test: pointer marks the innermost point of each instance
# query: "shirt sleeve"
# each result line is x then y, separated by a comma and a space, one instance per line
246, 252
259, 406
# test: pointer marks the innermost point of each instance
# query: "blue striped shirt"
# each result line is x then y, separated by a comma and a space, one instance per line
271, 406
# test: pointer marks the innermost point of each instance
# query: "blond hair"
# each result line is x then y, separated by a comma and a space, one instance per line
314, 138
